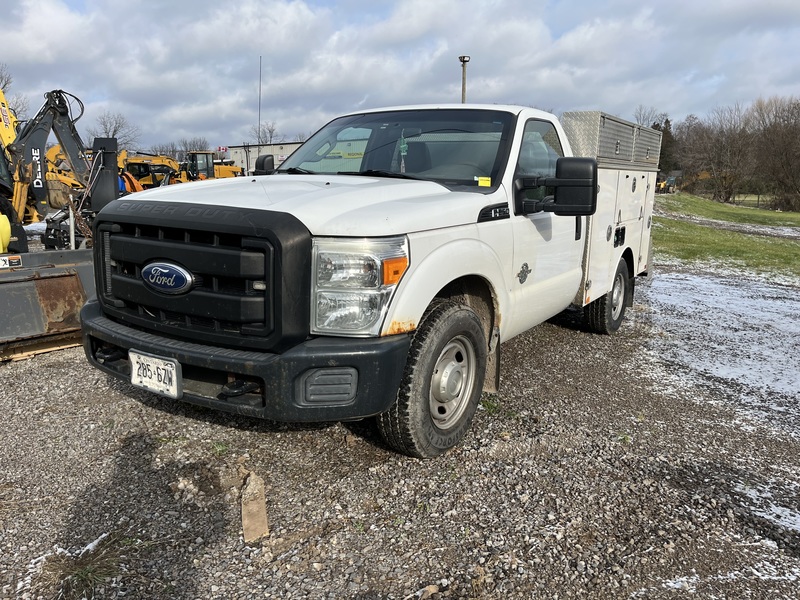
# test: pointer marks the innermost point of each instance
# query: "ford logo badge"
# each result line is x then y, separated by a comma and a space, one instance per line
167, 278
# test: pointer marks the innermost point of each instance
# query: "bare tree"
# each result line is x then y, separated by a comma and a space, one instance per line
17, 103
20, 105
777, 122
736, 149
6, 79
116, 125
720, 149
645, 115
266, 133
166, 149
193, 144
687, 149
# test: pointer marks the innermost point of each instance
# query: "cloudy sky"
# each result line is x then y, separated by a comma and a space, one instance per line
183, 69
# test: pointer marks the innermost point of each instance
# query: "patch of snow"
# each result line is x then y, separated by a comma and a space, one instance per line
731, 331
35, 228
764, 571
762, 504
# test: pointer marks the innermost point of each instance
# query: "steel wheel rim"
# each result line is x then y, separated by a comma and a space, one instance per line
617, 297
452, 382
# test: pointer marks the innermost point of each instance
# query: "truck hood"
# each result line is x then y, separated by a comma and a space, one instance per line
336, 205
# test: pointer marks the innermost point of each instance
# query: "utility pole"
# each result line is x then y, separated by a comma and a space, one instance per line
464, 60
259, 101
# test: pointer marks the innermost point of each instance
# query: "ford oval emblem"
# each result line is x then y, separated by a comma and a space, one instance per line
167, 278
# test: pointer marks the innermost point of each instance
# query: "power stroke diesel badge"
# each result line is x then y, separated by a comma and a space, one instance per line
167, 278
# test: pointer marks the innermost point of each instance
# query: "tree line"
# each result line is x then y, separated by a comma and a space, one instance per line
735, 150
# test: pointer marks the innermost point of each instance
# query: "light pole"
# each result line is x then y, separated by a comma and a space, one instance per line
464, 60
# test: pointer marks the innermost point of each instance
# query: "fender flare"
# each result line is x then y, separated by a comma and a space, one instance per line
454, 260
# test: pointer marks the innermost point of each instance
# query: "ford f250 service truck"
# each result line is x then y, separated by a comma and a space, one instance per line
379, 269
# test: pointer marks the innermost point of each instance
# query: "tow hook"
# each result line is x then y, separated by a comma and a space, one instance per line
108, 355
237, 387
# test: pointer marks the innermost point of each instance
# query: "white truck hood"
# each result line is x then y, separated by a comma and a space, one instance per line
335, 205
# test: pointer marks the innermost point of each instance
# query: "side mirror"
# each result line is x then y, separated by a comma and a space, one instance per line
265, 165
575, 187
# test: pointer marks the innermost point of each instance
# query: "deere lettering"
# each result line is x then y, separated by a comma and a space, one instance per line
38, 180
4, 115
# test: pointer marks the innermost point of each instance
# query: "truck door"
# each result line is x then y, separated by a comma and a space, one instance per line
548, 249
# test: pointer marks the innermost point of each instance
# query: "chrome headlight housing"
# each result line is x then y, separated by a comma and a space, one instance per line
353, 281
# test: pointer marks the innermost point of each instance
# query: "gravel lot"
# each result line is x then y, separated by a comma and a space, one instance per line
626, 467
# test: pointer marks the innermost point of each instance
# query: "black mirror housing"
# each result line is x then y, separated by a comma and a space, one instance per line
575, 187
265, 165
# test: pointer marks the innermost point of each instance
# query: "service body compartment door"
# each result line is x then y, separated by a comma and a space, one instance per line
645, 245
600, 251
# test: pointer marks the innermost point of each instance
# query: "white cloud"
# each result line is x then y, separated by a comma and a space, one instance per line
191, 69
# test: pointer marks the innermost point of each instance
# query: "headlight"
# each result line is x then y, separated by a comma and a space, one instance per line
353, 283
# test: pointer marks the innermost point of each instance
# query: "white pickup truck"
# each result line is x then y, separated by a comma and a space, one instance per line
378, 270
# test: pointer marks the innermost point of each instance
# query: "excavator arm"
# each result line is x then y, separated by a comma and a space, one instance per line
27, 151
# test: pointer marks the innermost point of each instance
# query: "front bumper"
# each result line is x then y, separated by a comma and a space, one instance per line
321, 379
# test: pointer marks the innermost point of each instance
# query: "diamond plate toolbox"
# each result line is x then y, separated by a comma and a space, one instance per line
611, 140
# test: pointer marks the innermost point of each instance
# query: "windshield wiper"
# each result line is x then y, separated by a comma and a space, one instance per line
378, 173
296, 171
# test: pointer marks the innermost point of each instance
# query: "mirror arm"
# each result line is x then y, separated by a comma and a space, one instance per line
535, 206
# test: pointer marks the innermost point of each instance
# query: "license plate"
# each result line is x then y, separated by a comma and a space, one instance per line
155, 374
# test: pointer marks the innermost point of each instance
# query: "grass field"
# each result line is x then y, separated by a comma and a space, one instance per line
686, 204
675, 237
752, 200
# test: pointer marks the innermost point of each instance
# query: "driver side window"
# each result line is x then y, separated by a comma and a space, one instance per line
538, 154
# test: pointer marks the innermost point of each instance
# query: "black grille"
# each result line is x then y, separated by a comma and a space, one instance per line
241, 296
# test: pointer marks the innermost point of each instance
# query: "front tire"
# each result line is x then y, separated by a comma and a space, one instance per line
441, 385
605, 314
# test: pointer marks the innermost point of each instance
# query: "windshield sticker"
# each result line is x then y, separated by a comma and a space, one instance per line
484, 181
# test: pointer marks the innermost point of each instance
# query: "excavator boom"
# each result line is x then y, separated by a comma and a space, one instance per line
28, 149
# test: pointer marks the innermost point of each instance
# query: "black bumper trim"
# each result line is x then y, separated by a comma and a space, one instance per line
378, 363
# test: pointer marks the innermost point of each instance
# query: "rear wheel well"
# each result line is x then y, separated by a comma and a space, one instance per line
627, 256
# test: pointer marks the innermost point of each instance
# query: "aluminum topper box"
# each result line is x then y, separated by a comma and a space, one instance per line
614, 142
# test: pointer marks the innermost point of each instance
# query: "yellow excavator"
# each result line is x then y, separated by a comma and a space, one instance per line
8, 133
150, 170
42, 292
24, 169
201, 165
31, 186
23, 165
153, 170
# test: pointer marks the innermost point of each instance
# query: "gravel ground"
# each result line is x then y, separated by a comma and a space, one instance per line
607, 467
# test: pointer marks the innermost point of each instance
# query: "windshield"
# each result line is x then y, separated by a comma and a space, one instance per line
455, 147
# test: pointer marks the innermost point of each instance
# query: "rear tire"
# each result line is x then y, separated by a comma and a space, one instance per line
605, 314
441, 385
